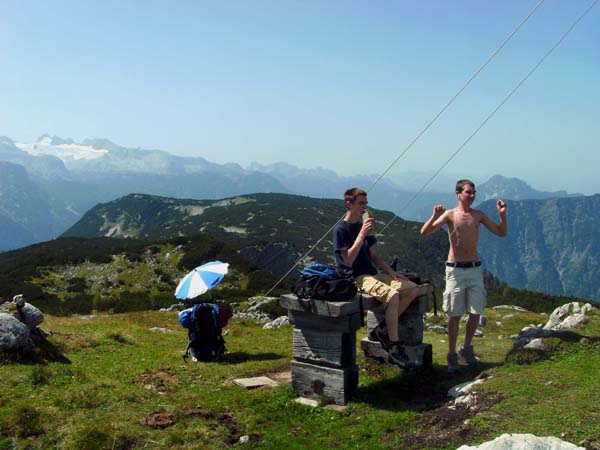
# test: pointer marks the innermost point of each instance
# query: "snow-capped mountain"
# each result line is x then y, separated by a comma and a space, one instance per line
65, 149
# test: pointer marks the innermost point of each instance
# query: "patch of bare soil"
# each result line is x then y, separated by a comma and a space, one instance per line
590, 444
159, 419
156, 381
161, 377
449, 422
282, 374
225, 420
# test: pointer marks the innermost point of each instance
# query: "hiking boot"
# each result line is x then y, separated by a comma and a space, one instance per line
379, 334
453, 366
398, 356
468, 355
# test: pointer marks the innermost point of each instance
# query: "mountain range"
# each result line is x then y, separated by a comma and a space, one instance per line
551, 246
48, 185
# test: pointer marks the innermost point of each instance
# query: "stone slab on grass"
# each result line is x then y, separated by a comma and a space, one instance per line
254, 382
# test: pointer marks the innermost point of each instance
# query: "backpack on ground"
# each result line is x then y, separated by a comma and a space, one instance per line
205, 341
322, 282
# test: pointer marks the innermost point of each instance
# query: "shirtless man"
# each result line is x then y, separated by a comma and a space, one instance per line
464, 275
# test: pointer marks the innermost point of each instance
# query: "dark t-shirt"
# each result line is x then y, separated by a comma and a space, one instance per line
344, 235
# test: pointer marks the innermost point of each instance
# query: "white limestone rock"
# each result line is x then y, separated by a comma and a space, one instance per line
31, 316
281, 321
523, 442
437, 328
568, 316
14, 334
23, 311
586, 308
572, 321
463, 388
535, 344
513, 307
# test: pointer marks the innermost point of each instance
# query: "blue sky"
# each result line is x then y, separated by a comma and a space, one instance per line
342, 85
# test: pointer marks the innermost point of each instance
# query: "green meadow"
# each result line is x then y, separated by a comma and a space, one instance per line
106, 381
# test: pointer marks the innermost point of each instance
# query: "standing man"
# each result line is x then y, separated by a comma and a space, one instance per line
464, 275
354, 247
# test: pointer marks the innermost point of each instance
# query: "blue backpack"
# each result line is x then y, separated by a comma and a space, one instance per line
322, 270
205, 341
323, 282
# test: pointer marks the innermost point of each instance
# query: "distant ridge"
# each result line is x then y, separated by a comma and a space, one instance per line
72, 177
260, 225
551, 246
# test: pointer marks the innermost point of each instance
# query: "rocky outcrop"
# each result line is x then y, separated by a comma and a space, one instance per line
562, 318
18, 324
14, 334
568, 316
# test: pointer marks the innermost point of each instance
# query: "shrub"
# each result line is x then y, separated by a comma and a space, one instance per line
40, 375
105, 303
118, 337
273, 309
79, 304
24, 421
260, 280
76, 285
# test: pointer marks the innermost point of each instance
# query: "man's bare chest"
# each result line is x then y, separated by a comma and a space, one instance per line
465, 223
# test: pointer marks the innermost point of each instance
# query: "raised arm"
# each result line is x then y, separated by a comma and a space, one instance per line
500, 229
438, 219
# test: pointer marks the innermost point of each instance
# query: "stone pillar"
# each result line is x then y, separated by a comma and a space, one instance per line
410, 329
324, 347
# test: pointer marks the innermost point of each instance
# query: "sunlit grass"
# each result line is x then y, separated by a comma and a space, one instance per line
118, 373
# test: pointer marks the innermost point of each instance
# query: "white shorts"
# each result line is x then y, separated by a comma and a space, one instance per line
464, 291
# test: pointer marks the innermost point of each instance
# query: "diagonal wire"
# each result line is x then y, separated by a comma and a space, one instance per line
310, 249
431, 122
435, 118
523, 80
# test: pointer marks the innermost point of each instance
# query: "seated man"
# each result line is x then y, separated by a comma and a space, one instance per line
354, 248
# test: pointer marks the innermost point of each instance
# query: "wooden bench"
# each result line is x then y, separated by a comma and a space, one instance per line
324, 342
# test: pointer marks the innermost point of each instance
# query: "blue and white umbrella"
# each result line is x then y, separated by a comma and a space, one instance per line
201, 279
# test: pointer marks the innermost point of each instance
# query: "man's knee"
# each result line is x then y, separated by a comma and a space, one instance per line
454, 320
393, 301
409, 294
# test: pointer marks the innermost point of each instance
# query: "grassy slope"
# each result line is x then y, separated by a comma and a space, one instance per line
75, 275
94, 401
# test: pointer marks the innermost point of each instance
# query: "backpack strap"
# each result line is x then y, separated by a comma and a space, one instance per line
186, 353
362, 309
434, 298
360, 302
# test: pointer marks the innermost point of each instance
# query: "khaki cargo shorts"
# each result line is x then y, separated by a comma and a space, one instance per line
382, 286
464, 291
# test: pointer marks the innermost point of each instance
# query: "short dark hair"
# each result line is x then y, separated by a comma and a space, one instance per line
352, 194
460, 185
